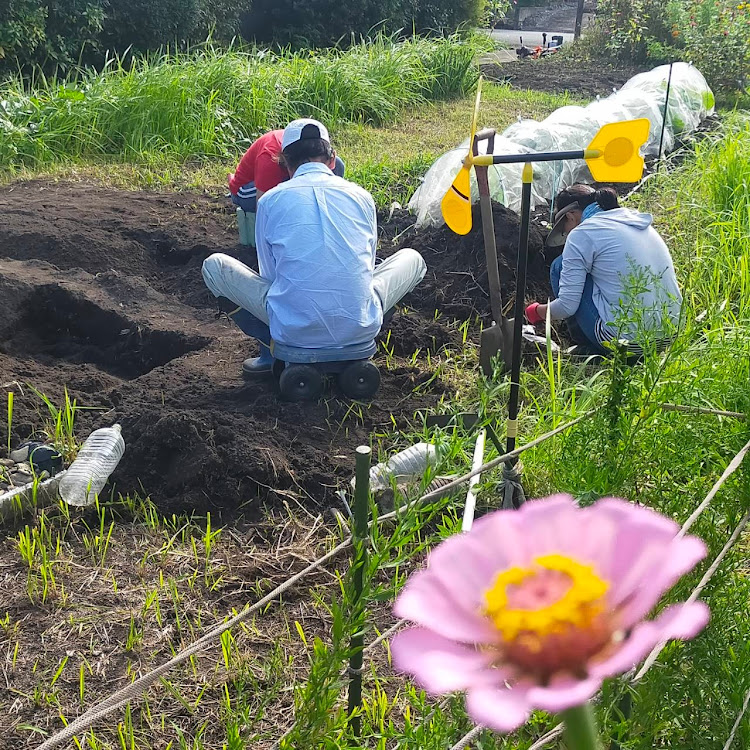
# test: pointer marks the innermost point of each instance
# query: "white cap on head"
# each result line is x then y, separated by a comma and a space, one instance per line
300, 130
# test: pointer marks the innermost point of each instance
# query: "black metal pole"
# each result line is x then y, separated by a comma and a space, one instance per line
666, 114
523, 256
579, 19
359, 563
545, 156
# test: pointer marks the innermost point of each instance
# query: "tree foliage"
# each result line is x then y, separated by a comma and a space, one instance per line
60, 33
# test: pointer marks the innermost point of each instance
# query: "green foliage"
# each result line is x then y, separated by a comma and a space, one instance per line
629, 26
713, 34
63, 33
50, 33
327, 22
213, 103
495, 11
58, 35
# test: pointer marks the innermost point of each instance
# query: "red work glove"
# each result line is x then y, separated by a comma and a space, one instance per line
532, 313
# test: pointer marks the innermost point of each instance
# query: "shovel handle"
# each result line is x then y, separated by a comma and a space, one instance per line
488, 226
484, 135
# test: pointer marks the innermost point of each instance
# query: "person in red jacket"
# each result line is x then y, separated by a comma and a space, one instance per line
259, 171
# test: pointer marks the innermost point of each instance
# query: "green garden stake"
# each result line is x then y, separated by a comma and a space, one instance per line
10, 417
359, 562
246, 227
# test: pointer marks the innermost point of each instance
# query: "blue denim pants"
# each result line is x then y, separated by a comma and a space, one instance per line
583, 324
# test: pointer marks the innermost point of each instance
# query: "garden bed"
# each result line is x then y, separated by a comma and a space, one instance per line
101, 293
582, 78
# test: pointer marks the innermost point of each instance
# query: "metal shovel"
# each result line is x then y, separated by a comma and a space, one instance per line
498, 338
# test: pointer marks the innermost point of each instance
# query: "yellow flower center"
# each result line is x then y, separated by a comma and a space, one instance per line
554, 597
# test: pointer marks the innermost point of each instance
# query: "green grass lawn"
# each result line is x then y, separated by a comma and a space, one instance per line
389, 160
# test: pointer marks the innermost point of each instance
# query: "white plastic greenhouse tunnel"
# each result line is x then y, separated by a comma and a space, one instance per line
570, 128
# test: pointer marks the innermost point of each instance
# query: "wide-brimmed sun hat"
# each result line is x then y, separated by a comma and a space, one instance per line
567, 201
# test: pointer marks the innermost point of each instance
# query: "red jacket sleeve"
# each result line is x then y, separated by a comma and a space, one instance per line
244, 173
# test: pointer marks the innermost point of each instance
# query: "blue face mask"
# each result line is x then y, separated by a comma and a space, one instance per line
590, 211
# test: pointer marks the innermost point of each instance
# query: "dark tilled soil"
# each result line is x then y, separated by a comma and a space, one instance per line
101, 293
456, 281
581, 78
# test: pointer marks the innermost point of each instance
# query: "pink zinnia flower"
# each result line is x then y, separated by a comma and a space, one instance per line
533, 608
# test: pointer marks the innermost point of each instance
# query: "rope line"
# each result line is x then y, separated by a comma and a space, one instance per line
703, 410
136, 688
468, 738
736, 726
734, 464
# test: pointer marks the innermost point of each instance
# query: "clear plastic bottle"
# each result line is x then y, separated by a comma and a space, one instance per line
408, 464
96, 460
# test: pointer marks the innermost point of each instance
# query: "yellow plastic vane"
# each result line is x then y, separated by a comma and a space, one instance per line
456, 203
615, 153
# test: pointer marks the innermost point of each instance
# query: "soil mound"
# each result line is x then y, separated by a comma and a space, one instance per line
456, 283
101, 294
583, 78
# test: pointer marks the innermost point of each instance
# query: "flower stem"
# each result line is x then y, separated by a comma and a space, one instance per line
580, 728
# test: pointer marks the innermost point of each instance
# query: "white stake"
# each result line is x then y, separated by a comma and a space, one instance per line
471, 498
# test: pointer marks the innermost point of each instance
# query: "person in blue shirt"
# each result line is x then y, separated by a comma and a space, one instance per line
316, 236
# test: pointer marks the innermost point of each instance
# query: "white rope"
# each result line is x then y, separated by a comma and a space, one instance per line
703, 410
734, 464
736, 726
467, 738
138, 687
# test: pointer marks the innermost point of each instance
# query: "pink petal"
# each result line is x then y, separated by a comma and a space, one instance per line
502, 709
441, 665
683, 621
644, 560
562, 693
425, 601
466, 565
677, 558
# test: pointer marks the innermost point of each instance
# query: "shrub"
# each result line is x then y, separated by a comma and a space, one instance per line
629, 26
48, 33
327, 22
60, 34
713, 34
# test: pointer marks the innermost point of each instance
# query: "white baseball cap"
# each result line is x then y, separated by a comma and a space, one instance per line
300, 130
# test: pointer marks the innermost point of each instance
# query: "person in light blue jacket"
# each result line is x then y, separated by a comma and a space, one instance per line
615, 279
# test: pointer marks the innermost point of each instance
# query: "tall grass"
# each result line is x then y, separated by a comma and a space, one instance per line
631, 448
212, 102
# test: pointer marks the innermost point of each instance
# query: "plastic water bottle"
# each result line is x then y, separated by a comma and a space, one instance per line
96, 460
408, 464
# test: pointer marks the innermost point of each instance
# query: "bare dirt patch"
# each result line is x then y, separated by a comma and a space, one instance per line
101, 292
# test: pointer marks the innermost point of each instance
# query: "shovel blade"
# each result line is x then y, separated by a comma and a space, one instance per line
497, 339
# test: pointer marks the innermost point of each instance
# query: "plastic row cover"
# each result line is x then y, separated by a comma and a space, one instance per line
572, 128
